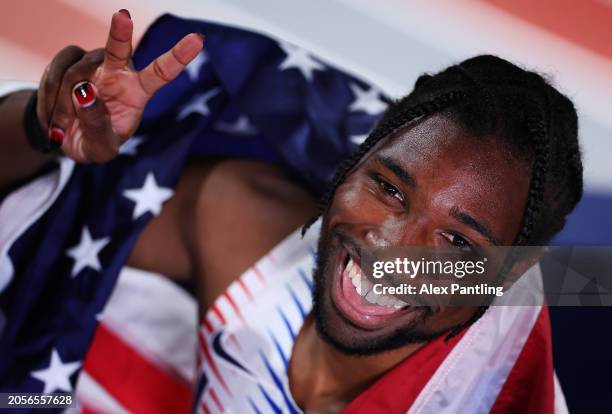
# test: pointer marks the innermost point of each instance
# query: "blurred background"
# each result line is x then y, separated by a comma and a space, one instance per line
391, 42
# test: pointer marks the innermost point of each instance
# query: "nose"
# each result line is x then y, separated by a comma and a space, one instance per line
404, 233
374, 239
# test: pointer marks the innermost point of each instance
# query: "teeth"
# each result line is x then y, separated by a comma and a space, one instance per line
364, 287
386, 300
356, 280
371, 297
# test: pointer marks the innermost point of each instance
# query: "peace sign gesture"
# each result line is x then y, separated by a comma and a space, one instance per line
92, 102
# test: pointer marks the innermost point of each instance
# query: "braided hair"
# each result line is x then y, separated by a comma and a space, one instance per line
489, 96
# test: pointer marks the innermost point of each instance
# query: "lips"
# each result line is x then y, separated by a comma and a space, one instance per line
353, 296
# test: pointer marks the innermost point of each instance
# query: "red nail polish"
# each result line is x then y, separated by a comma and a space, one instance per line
124, 11
56, 136
85, 94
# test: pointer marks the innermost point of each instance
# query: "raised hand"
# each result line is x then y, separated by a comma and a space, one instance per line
92, 102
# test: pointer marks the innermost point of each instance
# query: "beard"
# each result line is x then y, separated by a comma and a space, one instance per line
337, 330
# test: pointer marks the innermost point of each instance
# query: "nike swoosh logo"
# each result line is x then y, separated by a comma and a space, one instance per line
223, 354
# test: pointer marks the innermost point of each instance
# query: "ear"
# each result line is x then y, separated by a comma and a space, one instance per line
527, 257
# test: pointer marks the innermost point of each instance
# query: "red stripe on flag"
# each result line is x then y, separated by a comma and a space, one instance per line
87, 409
586, 23
205, 408
529, 387
212, 363
410, 376
132, 379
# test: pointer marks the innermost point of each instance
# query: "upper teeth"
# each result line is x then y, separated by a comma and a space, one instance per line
364, 287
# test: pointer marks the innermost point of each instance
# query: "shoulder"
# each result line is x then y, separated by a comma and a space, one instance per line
235, 211
224, 216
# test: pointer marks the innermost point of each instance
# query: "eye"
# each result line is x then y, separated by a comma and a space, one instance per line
458, 241
388, 188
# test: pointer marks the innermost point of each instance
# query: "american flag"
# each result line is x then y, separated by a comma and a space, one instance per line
64, 238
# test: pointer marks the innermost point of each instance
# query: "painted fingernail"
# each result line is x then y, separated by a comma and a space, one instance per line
127, 13
56, 136
85, 94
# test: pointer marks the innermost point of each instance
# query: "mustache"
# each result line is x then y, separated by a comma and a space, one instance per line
354, 247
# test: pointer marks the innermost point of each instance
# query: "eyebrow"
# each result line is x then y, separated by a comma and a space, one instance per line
470, 221
396, 169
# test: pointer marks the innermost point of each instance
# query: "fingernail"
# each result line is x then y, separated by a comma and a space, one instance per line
201, 36
127, 13
56, 136
85, 94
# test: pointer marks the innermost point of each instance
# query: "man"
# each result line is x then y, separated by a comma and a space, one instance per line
482, 154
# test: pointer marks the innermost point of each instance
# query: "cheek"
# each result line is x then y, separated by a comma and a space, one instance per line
353, 204
359, 212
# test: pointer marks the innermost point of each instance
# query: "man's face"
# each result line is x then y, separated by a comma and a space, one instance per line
432, 184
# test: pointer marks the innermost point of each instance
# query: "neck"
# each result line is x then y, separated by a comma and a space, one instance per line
321, 374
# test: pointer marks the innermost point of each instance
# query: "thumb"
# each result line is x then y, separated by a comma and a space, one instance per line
99, 143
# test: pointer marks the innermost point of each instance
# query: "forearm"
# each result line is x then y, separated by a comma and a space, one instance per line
18, 161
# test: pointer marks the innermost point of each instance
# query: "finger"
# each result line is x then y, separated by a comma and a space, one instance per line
40, 102
63, 114
118, 50
169, 65
52, 81
99, 142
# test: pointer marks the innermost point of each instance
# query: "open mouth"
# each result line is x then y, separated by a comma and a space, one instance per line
354, 297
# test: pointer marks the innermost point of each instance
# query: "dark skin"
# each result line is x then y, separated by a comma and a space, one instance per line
442, 169
414, 188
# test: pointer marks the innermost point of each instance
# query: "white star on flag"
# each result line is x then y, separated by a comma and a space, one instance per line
129, 146
198, 104
85, 254
242, 126
300, 59
358, 139
57, 376
193, 68
367, 100
149, 198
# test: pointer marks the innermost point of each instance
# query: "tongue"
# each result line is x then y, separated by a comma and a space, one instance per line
359, 303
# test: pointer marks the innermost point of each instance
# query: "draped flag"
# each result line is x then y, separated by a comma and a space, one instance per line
65, 237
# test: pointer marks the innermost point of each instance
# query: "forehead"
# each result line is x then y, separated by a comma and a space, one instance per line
453, 168
438, 138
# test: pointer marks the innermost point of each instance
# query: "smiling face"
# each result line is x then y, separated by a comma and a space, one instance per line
432, 184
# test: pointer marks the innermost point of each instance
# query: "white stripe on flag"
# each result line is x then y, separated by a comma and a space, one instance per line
473, 374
